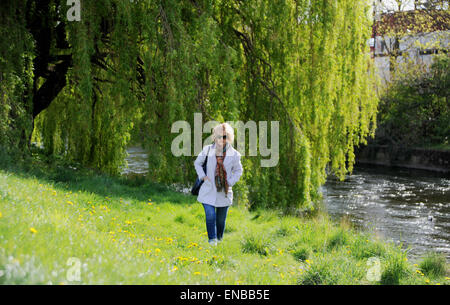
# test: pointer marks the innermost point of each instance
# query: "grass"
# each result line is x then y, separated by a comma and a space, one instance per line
56, 220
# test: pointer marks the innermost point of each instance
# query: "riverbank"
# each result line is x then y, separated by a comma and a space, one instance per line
432, 159
117, 231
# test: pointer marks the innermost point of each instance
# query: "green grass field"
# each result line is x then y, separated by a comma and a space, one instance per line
55, 221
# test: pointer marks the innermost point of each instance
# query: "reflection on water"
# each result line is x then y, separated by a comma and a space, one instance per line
407, 206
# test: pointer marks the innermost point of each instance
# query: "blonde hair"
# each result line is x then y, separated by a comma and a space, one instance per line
229, 131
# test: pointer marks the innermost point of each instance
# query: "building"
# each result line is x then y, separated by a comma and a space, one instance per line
408, 36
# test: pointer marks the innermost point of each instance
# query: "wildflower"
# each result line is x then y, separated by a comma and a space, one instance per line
175, 268
33, 230
308, 261
427, 281
192, 244
197, 273
447, 278
70, 202
1, 214
157, 250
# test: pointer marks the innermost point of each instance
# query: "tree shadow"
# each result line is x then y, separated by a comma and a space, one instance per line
70, 176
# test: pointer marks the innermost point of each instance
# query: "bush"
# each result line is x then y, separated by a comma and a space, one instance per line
415, 110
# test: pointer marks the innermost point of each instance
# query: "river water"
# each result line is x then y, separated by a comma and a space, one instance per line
411, 207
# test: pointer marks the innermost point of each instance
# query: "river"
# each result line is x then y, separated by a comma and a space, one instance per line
406, 206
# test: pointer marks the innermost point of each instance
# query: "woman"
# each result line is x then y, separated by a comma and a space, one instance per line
223, 170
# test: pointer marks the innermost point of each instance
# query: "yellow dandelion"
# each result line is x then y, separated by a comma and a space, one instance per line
427, 281
33, 230
157, 250
70, 202
197, 273
175, 268
1, 214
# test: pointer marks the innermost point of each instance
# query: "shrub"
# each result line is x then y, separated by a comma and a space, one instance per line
415, 110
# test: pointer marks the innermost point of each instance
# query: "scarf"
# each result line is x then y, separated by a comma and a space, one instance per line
220, 174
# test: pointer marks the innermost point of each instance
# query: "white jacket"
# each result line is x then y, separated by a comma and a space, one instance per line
232, 164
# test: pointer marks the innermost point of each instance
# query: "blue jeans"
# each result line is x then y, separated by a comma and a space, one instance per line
215, 218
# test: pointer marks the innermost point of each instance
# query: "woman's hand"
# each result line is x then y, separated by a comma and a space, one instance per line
206, 177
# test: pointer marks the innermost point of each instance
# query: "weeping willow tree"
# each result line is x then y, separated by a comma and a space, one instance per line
142, 65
